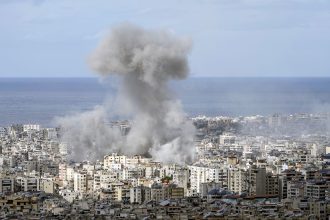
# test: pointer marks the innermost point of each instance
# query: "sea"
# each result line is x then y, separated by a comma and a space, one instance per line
40, 100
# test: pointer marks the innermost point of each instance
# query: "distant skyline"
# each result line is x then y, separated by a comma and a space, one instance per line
231, 38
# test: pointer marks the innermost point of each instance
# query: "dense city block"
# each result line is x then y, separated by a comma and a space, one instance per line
256, 167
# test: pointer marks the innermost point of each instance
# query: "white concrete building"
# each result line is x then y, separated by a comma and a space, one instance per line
202, 174
80, 182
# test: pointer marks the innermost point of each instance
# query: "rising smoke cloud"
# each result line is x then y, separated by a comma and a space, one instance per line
146, 61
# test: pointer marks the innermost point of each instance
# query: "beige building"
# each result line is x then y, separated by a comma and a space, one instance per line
236, 180
80, 182
140, 194
47, 186
316, 189
157, 192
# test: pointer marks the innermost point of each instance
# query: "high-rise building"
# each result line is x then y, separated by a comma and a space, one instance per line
284, 178
256, 181
316, 189
140, 194
80, 182
237, 180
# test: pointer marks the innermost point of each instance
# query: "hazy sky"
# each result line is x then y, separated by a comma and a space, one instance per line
231, 37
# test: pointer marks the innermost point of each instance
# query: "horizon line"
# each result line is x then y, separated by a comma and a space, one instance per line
96, 77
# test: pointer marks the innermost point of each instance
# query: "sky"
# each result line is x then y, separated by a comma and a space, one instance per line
231, 38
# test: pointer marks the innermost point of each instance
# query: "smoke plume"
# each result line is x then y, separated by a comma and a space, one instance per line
146, 61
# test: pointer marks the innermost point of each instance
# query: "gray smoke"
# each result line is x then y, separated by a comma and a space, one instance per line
89, 135
146, 61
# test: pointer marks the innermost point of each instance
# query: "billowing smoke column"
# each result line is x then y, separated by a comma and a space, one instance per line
146, 61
